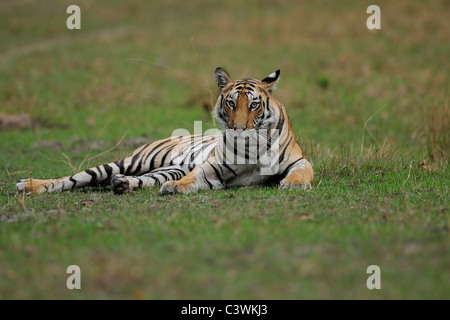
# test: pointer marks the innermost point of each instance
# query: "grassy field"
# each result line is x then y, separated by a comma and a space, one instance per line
368, 107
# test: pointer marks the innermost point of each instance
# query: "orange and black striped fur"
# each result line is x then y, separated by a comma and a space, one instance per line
247, 110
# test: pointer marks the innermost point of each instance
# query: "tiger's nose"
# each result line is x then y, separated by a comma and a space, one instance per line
239, 129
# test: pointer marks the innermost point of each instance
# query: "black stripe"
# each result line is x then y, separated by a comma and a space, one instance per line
222, 107
217, 173
221, 170
180, 171
140, 182
156, 147
182, 174
262, 115
172, 175
108, 170
257, 150
165, 156
191, 163
119, 164
133, 160
280, 121
283, 175
269, 140
228, 167
73, 181
185, 158
164, 174
280, 159
235, 151
159, 181
206, 180
177, 176
93, 181
137, 171
152, 162
247, 147
99, 171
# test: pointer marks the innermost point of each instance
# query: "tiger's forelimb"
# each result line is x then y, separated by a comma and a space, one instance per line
208, 175
300, 175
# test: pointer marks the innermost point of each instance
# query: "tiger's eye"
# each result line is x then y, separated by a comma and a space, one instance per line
230, 103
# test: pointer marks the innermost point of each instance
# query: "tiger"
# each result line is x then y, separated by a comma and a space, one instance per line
250, 117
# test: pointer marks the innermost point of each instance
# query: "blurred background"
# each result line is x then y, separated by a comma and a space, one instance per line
145, 68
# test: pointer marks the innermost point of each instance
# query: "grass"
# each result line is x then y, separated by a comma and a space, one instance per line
368, 107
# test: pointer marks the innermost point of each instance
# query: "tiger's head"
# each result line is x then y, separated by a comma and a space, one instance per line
246, 104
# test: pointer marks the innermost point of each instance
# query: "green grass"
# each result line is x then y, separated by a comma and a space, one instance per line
368, 108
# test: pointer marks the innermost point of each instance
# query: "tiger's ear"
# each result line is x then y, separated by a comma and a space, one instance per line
222, 78
271, 80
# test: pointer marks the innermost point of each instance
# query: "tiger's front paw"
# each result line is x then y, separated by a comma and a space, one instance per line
173, 187
288, 183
